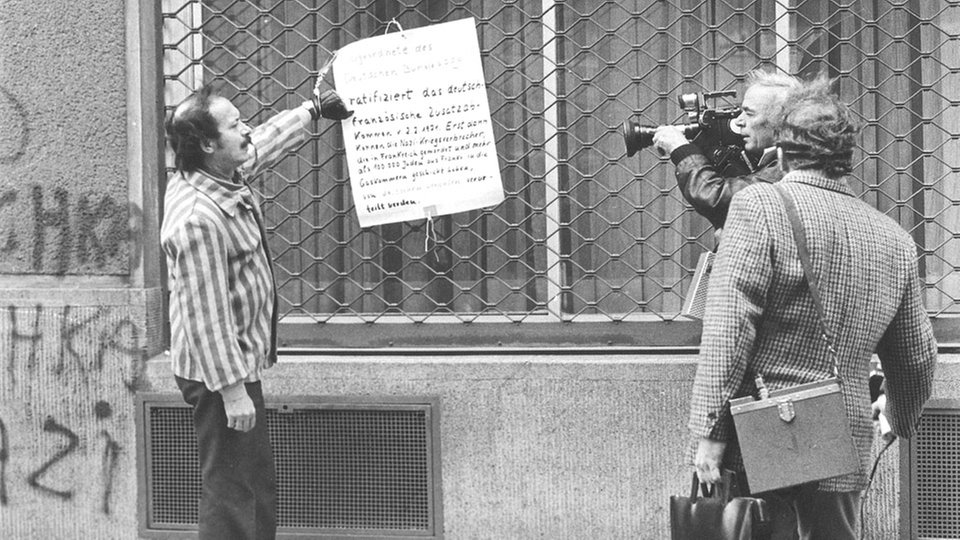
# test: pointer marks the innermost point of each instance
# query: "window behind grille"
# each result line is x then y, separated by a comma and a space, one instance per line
585, 235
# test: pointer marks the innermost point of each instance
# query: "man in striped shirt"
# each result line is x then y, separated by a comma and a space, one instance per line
223, 301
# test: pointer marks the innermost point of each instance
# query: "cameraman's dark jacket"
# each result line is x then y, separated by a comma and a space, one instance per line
707, 190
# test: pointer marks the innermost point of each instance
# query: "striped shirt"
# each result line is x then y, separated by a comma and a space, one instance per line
222, 292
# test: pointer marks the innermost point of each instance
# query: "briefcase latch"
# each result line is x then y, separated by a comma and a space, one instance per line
785, 408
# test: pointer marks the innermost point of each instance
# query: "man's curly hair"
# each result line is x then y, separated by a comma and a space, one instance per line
189, 126
817, 131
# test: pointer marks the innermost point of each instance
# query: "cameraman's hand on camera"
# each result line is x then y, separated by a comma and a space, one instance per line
666, 139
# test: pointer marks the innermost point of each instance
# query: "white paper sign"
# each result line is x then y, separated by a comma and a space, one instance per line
420, 142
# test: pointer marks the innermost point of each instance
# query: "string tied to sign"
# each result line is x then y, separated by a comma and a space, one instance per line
323, 73
430, 233
392, 22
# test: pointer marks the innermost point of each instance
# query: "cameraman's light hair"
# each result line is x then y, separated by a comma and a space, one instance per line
779, 80
772, 79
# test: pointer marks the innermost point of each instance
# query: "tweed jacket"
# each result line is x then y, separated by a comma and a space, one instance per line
760, 316
708, 191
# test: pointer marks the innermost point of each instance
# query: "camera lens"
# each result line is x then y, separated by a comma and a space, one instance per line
636, 137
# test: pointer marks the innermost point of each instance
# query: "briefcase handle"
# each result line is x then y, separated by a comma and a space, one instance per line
721, 490
800, 238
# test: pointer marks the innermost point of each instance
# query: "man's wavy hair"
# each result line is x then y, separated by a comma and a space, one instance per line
188, 127
817, 131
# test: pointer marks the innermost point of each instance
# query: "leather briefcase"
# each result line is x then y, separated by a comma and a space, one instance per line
717, 515
796, 435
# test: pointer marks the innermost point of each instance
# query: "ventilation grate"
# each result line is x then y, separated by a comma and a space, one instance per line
357, 468
935, 475
174, 468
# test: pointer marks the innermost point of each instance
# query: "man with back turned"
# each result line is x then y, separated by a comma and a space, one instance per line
761, 318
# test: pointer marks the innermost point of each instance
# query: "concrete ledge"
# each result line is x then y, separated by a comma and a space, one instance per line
550, 446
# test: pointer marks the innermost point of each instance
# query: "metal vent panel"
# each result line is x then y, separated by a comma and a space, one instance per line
174, 468
343, 467
935, 475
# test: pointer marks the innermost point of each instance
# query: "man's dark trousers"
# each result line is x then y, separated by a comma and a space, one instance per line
239, 490
818, 515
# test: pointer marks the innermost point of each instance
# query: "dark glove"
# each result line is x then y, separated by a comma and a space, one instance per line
329, 106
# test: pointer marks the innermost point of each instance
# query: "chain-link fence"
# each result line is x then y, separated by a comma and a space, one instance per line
585, 235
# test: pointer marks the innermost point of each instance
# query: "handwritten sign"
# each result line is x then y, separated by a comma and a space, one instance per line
420, 142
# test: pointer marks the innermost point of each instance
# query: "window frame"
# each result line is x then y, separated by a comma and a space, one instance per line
532, 330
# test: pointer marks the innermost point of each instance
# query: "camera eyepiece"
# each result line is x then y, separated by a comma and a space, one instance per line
689, 103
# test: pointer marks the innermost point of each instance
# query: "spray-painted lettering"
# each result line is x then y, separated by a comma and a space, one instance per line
51, 425
7, 199
108, 469
122, 337
4, 456
109, 461
18, 337
67, 231
13, 118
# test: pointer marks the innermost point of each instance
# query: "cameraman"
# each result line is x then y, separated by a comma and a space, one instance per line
701, 184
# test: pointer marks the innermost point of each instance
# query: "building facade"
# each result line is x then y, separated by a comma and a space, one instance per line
526, 375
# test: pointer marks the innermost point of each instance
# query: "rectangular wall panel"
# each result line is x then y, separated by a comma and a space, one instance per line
368, 469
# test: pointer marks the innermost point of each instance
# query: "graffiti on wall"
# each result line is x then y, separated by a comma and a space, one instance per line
16, 131
70, 230
109, 462
54, 230
33, 479
26, 335
83, 350
4, 456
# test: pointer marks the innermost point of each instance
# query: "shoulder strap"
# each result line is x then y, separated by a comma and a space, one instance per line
800, 238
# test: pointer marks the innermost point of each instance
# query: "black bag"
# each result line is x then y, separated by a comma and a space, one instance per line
717, 515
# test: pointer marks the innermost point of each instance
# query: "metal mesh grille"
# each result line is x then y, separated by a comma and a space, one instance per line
585, 234
342, 469
936, 474
174, 468
353, 469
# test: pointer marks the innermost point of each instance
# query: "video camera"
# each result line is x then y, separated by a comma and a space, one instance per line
710, 129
